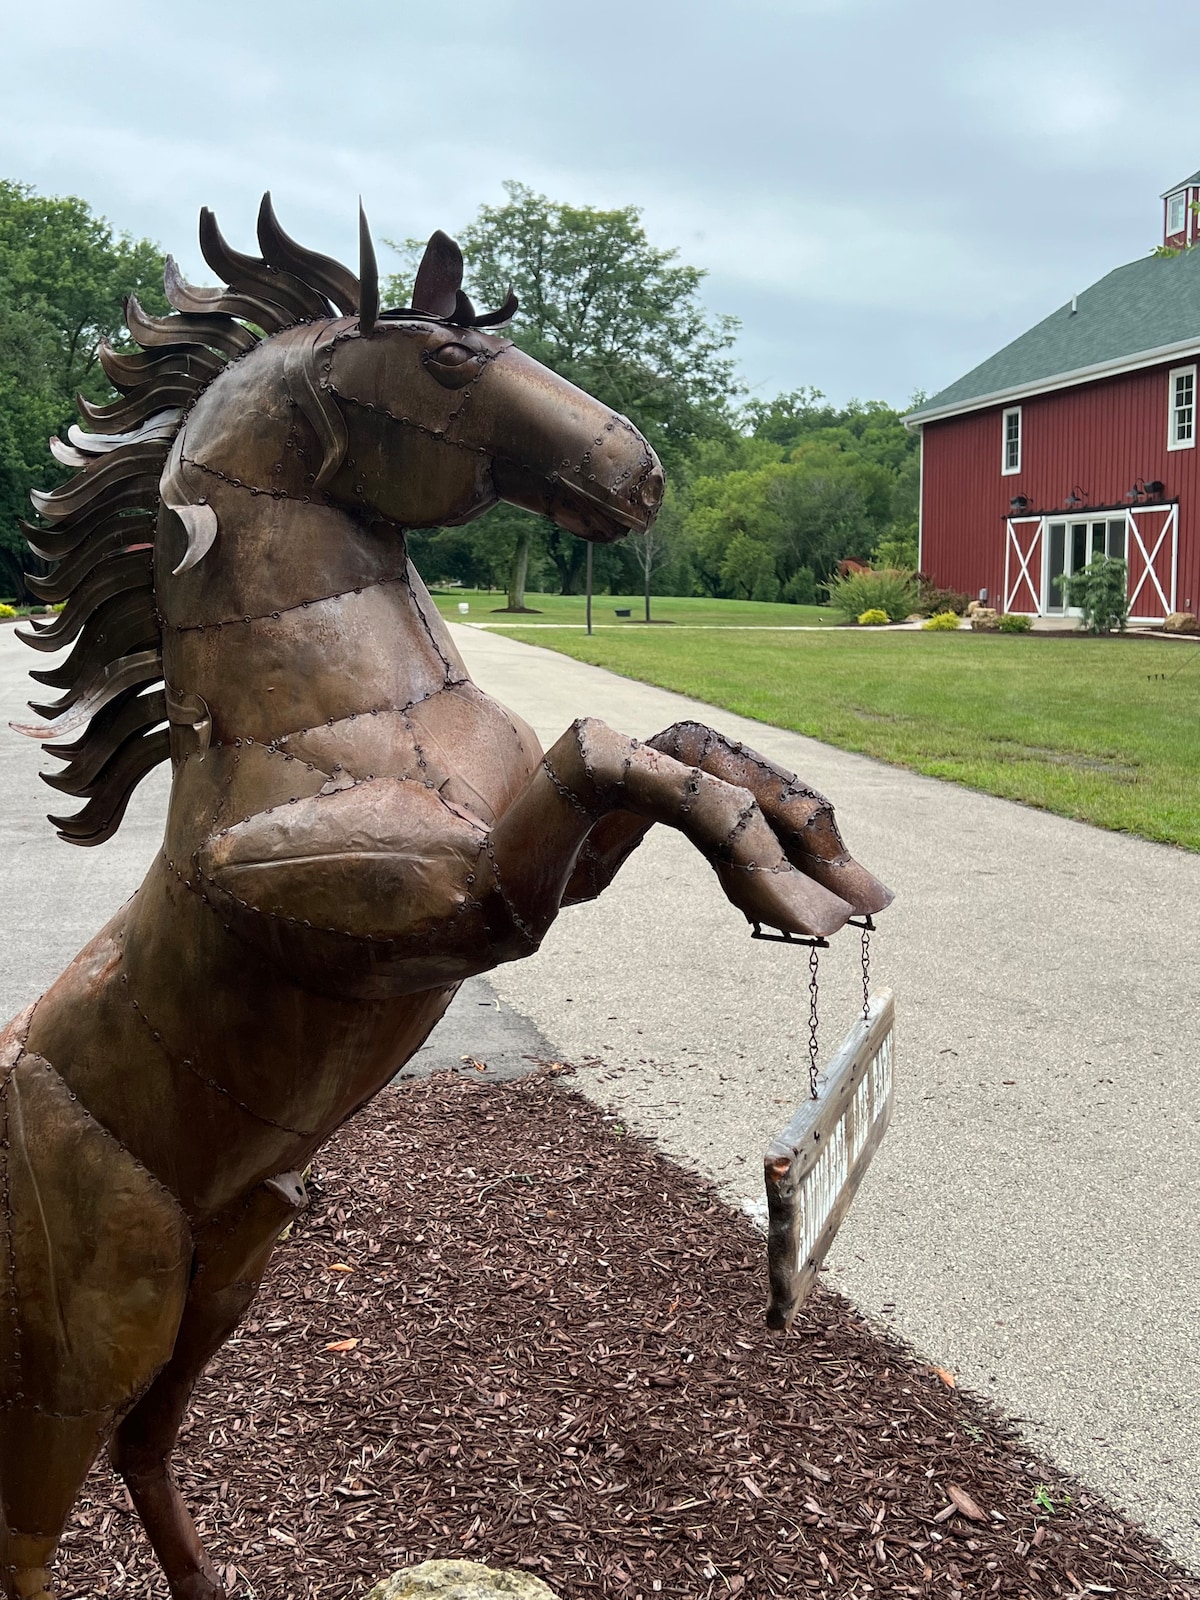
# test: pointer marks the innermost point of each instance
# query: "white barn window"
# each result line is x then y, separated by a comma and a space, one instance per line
1176, 212
1181, 408
1010, 459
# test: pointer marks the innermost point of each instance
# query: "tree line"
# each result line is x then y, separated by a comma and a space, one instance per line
764, 498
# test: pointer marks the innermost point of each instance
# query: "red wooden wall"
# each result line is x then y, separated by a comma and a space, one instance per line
1097, 437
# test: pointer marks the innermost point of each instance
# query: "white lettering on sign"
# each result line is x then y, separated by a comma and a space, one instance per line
827, 1177
881, 1073
822, 1185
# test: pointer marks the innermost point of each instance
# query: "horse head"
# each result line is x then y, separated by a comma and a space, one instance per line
423, 416
471, 413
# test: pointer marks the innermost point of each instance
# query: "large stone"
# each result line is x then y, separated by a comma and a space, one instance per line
984, 619
1180, 622
459, 1580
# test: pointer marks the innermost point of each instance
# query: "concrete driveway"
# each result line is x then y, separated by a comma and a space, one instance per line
1031, 1219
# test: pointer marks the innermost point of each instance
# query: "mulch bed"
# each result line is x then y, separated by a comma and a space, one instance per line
508, 1331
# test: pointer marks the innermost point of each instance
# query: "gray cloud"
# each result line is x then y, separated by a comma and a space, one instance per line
884, 193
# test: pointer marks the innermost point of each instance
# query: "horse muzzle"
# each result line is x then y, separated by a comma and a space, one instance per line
603, 497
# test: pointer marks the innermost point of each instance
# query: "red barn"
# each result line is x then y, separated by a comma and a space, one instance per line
1079, 438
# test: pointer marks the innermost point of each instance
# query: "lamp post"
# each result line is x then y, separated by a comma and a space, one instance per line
591, 547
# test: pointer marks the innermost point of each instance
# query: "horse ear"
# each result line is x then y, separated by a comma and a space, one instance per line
368, 276
439, 277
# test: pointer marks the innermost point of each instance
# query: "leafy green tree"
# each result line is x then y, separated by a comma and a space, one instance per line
611, 312
748, 570
811, 483
63, 277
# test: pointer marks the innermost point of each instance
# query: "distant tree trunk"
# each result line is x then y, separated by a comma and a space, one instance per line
567, 554
647, 548
518, 571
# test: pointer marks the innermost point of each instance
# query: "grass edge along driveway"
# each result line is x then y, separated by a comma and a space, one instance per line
1105, 731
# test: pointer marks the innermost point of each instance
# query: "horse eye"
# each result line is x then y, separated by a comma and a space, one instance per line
451, 355
452, 365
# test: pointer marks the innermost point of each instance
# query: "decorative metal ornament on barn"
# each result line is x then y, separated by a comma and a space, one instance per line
353, 826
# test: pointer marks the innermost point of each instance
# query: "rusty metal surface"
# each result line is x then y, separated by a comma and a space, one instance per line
354, 828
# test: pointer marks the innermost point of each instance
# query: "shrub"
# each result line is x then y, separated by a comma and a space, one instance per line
874, 618
943, 622
894, 593
1101, 590
6, 610
1011, 623
932, 601
801, 588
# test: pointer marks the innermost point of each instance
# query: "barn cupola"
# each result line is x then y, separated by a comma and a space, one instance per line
1181, 214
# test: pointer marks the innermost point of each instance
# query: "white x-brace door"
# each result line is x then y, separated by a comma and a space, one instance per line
1150, 528
1023, 565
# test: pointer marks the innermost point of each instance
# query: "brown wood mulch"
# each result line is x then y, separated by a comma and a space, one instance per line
507, 1330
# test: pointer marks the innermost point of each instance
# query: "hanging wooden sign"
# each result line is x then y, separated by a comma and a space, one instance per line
815, 1166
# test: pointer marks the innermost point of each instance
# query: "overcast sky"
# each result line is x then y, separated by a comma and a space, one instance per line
883, 191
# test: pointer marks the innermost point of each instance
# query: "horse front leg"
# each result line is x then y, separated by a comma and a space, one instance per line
594, 780
801, 818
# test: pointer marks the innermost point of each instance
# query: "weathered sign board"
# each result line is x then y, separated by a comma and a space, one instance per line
815, 1166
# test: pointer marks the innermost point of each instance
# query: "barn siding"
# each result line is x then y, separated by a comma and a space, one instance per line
1098, 436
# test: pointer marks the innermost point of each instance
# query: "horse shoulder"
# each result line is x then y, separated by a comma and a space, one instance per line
481, 753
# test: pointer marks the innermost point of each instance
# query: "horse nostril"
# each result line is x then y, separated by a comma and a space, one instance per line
651, 491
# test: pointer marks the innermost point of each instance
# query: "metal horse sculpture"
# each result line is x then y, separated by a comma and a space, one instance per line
353, 828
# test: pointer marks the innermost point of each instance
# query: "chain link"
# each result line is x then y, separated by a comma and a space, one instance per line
866, 972
812, 1022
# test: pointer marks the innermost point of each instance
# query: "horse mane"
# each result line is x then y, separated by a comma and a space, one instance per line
98, 529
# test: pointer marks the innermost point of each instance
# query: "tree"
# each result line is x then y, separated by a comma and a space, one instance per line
63, 277
805, 483
748, 570
607, 310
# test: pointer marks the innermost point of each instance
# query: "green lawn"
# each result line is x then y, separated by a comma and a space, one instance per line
691, 612
1087, 728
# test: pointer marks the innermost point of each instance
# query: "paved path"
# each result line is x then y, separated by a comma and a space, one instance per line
1030, 1220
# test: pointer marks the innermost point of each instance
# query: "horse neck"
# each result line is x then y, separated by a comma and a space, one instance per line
300, 613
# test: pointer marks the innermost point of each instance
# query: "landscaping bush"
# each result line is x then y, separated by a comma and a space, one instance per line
932, 601
801, 588
6, 610
894, 593
1101, 590
1011, 623
943, 622
874, 619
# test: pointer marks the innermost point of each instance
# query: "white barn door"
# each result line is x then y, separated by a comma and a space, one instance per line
1023, 560
1152, 551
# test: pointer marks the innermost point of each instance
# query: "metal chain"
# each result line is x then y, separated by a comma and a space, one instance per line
866, 971
812, 1022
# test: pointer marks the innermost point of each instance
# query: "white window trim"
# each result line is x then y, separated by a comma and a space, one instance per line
1005, 470
1180, 195
1172, 442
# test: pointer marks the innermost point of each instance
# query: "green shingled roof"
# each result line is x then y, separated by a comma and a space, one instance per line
1142, 307
1184, 183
